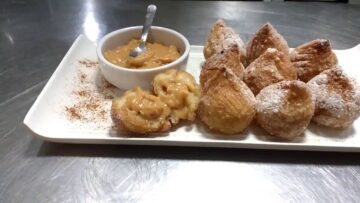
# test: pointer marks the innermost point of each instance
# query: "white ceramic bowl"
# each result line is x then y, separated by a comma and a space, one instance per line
125, 78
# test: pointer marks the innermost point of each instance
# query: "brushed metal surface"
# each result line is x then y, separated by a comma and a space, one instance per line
34, 36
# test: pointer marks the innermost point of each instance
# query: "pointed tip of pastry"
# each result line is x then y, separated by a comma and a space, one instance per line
321, 44
267, 26
324, 42
220, 22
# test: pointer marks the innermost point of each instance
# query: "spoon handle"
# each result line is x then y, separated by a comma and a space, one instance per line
150, 14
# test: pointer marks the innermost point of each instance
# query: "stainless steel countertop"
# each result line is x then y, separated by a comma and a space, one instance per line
35, 35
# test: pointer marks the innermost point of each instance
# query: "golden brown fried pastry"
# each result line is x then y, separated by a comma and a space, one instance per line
227, 105
141, 112
266, 37
312, 58
228, 58
178, 89
222, 37
285, 109
270, 67
337, 98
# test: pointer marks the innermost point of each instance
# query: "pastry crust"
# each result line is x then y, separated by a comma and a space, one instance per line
223, 37
337, 98
178, 89
285, 109
266, 37
312, 58
228, 59
270, 67
227, 105
141, 112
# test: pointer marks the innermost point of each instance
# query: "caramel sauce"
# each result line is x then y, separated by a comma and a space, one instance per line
156, 55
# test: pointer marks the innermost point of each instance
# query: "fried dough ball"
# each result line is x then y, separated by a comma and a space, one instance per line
285, 109
270, 67
337, 98
141, 112
178, 89
266, 37
222, 37
312, 58
228, 58
227, 105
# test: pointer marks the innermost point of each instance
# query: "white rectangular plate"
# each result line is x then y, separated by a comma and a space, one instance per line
49, 120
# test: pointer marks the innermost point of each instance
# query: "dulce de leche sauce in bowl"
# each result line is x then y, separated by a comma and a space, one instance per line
125, 72
156, 55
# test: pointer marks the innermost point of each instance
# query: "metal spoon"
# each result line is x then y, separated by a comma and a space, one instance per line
150, 13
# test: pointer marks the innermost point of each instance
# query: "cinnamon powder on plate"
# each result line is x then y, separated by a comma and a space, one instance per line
90, 97
89, 63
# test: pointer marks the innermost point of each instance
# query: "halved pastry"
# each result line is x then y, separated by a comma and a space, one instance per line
266, 37
141, 112
270, 67
178, 89
222, 37
312, 58
337, 98
228, 58
227, 105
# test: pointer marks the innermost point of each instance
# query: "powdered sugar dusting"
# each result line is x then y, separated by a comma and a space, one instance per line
323, 98
272, 50
271, 99
226, 38
344, 103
